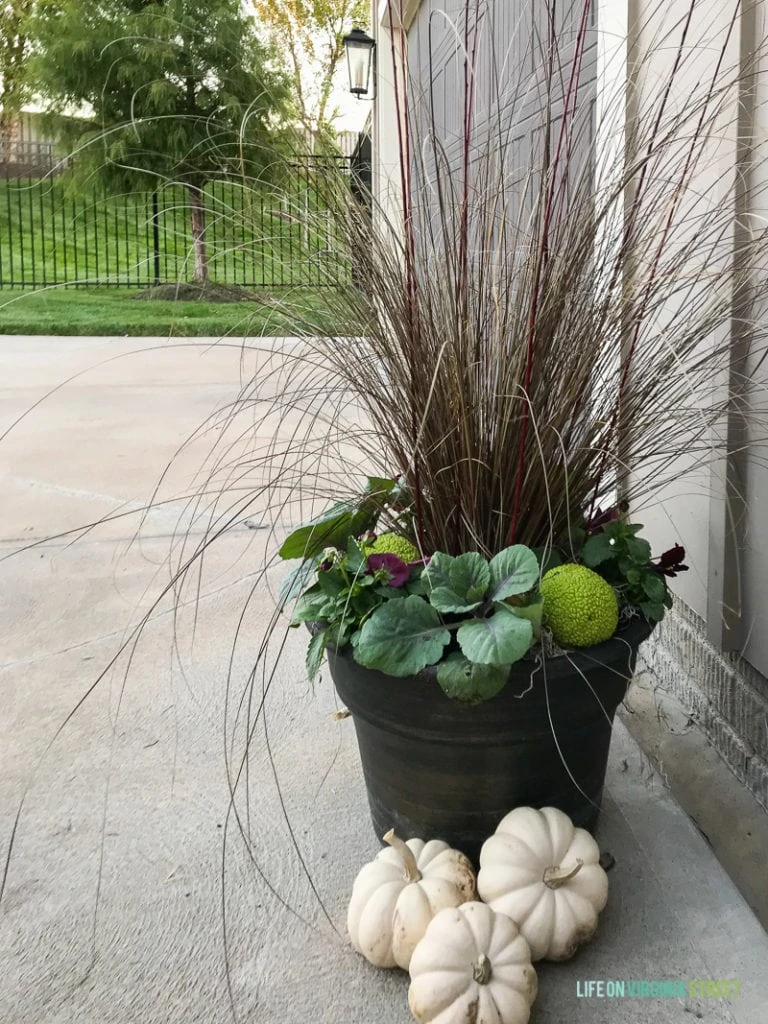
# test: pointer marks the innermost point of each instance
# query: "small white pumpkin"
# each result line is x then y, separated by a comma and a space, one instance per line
396, 896
544, 873
472, 967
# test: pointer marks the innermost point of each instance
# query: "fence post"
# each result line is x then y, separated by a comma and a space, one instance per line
156, 236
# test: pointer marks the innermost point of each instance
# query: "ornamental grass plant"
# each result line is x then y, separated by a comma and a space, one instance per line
554, 316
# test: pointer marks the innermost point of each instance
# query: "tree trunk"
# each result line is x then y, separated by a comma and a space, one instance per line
197, 215
10, 134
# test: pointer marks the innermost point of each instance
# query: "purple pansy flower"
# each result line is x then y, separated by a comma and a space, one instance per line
397, 569
671, 562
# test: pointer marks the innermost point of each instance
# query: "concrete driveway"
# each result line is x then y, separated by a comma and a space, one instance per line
131, 897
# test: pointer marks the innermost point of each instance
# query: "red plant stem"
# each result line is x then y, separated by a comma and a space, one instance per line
638, 319
404, 153
469, 98
570, 97
462, 276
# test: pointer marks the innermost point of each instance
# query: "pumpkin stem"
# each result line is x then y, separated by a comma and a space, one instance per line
481, 971
555, 877
412, 873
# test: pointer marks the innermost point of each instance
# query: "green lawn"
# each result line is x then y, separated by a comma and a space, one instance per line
257, 238
115, 311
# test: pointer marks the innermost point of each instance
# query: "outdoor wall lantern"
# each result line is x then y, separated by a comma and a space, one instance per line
359, 47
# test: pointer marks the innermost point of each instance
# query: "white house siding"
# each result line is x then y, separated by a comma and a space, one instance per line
431, 32
683, 514
755, 469
390, 22
508, 104
712, 652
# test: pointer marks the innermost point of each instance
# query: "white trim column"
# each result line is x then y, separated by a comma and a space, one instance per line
391, 20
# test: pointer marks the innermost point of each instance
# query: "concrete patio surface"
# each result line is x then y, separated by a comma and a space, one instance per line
131, 896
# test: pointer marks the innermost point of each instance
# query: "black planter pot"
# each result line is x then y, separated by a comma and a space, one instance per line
435, 768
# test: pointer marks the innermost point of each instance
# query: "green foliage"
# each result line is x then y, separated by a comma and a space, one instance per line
14, 46
513, 571
179, 90
315, 654
328, 530
623, 559
401, 637
344, 519
470, 616
345, 593
460, 677
399, 619
308, 34
498, 638
457, 584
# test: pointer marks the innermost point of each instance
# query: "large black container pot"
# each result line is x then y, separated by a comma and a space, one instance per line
435, 768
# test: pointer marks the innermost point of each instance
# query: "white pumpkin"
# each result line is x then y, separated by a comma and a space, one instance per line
544, 873
472, 967
396, 896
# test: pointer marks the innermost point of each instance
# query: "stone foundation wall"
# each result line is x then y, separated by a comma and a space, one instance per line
723, 693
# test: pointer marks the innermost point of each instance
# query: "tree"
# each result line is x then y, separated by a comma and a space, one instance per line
13, 54
309, 34
179, 89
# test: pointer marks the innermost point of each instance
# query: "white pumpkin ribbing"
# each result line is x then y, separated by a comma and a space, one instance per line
396, 895
543, 872
472, 965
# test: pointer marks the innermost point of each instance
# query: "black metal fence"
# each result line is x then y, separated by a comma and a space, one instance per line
22, 158
256, 236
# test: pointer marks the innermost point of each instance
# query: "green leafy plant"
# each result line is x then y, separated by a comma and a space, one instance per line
344, 519
398, 618
624, 560
471, 616
349, 587
464, 596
